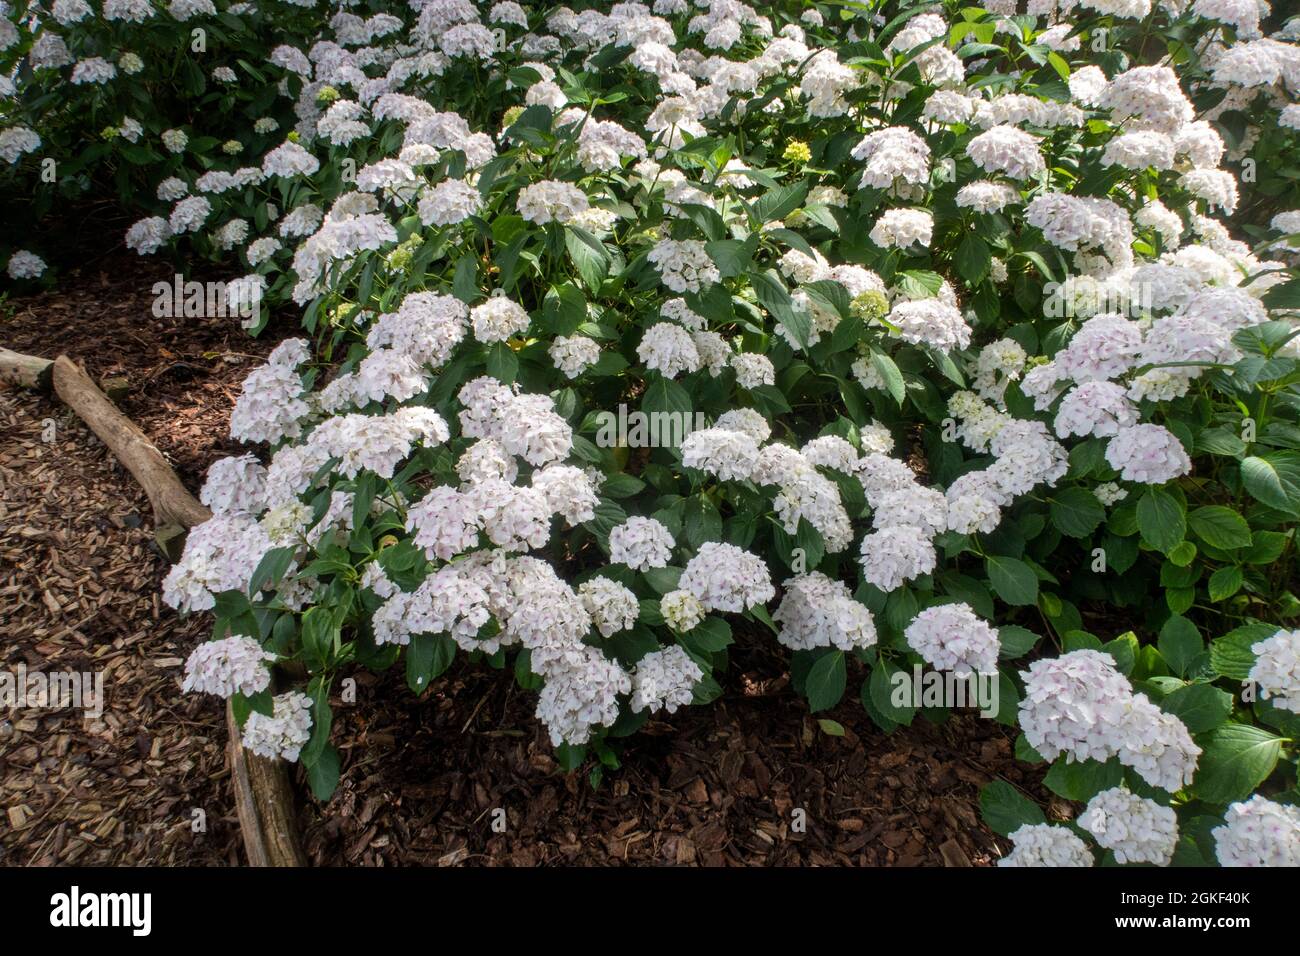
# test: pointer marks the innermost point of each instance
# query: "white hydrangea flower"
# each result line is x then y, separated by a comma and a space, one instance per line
746, 420
612, 606
285, 732
894, 555
551, 201
664, 679
1147, 454
682, 611
232, 665
235, 484
668, 349
220, 555
903, 228
725, 454
816, 611
930, 322
449, 202
1259, 832
1094, 408
580, 696
572, 354
25, 265
726, 578
1008, 150
1277, 669
950, 637
1079, 705
1041, 844
753, 370
498, 319
1136, 829
684, 264
641, 544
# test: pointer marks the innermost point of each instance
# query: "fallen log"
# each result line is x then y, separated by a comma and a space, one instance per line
25, 371
263, 795
172, 504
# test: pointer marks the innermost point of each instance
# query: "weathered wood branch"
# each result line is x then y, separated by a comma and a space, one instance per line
263, 794
264, 803
172, 504
26, 371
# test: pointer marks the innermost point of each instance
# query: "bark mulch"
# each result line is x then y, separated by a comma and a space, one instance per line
462, 775
146, 782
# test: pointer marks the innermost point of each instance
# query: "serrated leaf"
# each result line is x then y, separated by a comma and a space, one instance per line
824, 686
1012, 580
1200, 706
1219, 527
1160, 519
1235, 759
1006, 810
1077, 512
1180, 644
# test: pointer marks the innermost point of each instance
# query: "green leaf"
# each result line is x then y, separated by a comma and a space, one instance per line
881, 688
1180, 644
774, 297
663, 580
1231, 655
973, 259
564, 309
1026, 753
1125, 651
712, 634
427, 656
1059, 64
889, 371
502, 363
1201, 707
323, 774
464, 283
1160, 519
588, 254
702, 520
779, 202
1006, 810
318, 631
271, 569
1083, 779
621, 486
1236, 759
1077, 512
1220, 527
1015, 641
824, 686
665, 395
830, 727
1224, 583
1013, 580
1274, 479
732, 256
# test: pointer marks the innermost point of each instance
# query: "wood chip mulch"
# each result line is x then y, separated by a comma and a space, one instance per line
461, 776
146, 782
465, 775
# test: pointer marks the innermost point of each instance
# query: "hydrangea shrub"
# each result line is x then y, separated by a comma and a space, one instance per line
904, 335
